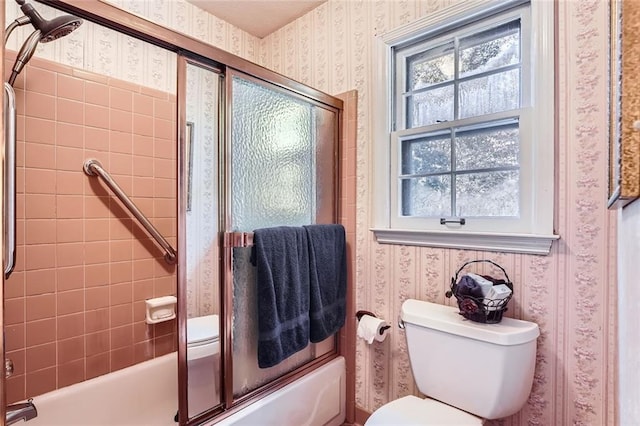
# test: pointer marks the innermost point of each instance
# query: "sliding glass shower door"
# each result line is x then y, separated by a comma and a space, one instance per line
282, 173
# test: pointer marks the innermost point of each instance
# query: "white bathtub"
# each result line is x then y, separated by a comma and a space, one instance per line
144, 394
147, 395
317, 399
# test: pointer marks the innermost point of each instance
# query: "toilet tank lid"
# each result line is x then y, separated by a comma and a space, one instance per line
203, 329
447, 319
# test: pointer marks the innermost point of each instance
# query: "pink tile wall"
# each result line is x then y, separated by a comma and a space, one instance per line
74, 307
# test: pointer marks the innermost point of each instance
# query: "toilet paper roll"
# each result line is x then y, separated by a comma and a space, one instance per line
369, 328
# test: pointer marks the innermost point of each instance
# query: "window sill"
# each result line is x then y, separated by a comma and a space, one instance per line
511, 243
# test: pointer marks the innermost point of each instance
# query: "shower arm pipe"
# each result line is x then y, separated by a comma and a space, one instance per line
24, 55
92, 167
9, 179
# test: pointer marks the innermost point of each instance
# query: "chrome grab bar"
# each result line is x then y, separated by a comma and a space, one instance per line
92, 167
10, 179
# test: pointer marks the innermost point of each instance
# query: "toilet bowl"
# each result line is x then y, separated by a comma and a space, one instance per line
467, 371
203, 337
203, 361
411, 410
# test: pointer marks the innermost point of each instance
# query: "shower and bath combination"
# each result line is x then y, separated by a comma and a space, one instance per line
314, 178
44, 31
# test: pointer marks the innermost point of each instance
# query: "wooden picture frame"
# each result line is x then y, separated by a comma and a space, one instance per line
624, 102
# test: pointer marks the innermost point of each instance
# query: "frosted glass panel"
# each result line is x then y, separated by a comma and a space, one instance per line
488, 194
427, 196
282, 174
247, 376
273, 158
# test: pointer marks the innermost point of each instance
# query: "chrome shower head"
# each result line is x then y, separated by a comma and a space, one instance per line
58, 27
51, 29
46, 30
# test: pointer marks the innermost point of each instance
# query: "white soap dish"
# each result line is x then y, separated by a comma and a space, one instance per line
161, 309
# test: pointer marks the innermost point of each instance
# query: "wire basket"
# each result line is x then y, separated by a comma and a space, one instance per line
480, 309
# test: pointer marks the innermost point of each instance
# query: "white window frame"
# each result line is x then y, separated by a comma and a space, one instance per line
534, 232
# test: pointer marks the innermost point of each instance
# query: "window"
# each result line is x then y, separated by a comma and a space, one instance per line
468, 143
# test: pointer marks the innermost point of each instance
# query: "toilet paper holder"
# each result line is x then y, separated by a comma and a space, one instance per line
360, 314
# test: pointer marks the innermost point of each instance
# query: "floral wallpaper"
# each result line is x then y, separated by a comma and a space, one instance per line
181, 16
570, 293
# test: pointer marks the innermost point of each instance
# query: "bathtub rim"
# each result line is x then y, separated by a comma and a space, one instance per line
218, 413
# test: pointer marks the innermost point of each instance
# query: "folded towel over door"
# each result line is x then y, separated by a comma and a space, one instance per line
328, 280
281, 257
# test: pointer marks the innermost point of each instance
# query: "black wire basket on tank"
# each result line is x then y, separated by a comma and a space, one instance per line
477, 308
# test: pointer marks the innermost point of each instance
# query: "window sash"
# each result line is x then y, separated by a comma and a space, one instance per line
533, 232
520, 223
453, 135
405, 59
401, 63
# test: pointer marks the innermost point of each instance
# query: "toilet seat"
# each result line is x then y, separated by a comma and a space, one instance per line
203, 336
414, 411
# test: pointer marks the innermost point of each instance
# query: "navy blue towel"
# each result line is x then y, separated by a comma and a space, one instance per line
328, 280
281, 256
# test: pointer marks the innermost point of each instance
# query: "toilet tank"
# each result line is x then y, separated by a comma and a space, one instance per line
485, 369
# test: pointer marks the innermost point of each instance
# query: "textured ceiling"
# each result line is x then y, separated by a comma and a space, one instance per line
258, 17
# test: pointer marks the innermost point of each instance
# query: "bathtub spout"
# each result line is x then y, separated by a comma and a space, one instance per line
21, 411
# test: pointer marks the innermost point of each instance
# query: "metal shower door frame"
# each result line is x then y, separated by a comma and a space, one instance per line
231, 239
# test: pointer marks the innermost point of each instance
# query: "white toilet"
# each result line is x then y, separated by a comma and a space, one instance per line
468, 371
203, 360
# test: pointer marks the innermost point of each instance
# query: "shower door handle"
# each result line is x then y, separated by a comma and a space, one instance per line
9, 179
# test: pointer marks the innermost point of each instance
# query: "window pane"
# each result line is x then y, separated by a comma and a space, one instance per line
491, 49
488, 194
431, 67
427, 196
487, 148
489, 94
427, 155
430, 107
